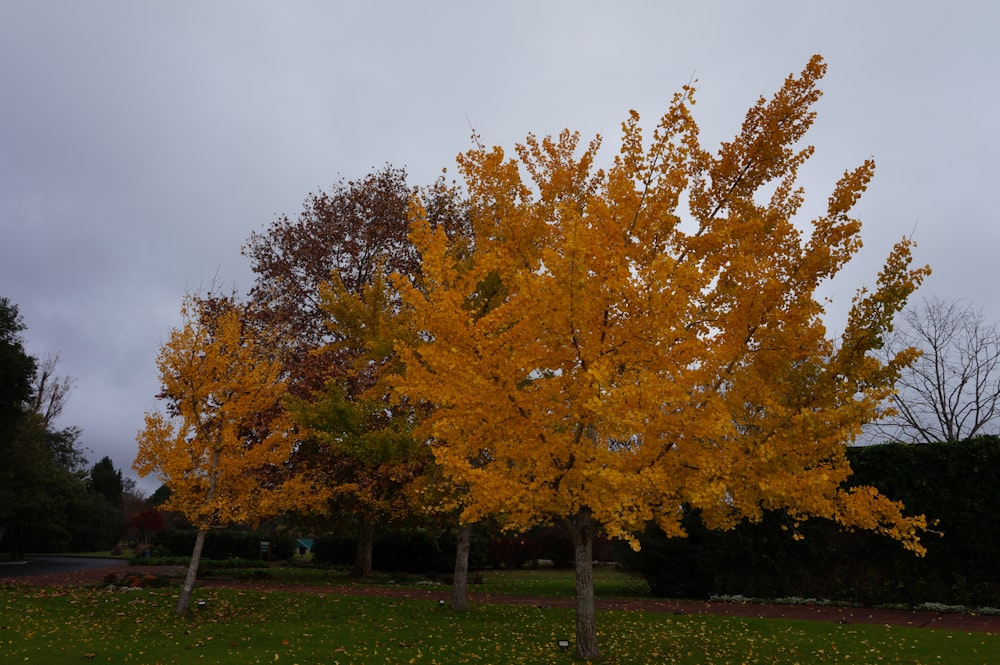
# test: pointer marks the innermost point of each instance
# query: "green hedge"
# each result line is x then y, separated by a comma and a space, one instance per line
953, 483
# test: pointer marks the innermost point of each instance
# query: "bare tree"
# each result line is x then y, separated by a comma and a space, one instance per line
952, 391
51, 390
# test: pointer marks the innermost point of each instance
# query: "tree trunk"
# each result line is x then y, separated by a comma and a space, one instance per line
192, 573
582, 529
363, 555
460, 582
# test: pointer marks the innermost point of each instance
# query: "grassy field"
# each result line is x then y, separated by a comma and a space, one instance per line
61, 626
609, 582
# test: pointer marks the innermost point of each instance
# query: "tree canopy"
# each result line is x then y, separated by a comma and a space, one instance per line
17, 368
653, 338
222, 437
321, 281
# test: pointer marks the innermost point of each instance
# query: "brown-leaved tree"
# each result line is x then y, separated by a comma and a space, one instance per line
320, 283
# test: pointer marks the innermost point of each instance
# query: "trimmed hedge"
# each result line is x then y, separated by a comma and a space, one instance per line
953, 483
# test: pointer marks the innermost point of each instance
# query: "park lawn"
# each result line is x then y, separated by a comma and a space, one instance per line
61, 626
609, 581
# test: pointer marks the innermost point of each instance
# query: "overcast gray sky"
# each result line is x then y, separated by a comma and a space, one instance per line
142, 142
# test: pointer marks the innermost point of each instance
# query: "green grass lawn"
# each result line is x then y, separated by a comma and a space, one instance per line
61, 626
609, 582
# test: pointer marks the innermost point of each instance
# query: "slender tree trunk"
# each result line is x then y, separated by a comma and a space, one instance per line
460, 582
582, 529
363, 555
192, 573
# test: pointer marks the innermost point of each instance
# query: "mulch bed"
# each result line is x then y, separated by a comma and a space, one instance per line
844, 615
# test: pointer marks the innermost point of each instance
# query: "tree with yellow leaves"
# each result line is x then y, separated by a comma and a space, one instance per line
223, 445
365, 443
654, 339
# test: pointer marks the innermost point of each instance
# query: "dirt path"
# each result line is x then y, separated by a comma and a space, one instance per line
845, 615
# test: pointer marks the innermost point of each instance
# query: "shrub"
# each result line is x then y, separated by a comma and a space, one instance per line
135, 580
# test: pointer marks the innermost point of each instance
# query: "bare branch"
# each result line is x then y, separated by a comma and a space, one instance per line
51, 391
952, 391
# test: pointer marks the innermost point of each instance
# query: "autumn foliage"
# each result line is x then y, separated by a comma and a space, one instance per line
363, 442
628, 341
321, 286
223, 445
606, 347
223, 438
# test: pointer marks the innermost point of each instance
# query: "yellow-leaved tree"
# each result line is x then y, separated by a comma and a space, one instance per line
223, 445
365, 443
656, 340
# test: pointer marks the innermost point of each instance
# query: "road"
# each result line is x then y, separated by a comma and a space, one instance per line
55, 565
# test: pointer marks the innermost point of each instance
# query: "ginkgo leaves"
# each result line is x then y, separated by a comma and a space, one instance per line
692, 356
224, 437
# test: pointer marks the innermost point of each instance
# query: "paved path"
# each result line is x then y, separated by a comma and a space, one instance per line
57, 565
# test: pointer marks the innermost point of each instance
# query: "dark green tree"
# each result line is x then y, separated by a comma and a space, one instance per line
36, 492
99, 520
17, 369
106, 481
44, 502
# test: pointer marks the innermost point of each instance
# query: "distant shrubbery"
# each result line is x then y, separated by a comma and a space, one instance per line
548, 543
133, 580
224, 544
953, 483
421, 551
403, 550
